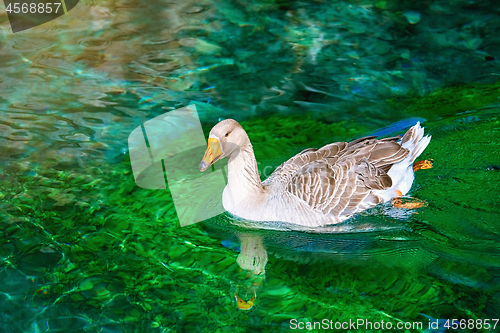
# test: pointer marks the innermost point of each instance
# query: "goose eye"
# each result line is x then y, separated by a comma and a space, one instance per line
227, 134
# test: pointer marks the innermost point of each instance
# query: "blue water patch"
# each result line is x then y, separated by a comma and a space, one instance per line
398, 127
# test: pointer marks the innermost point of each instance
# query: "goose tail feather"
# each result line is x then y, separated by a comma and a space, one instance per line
415, 141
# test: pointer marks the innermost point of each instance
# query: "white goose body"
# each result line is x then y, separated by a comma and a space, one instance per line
317, 186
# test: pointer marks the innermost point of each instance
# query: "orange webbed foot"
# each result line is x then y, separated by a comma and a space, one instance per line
408, 203
425, 164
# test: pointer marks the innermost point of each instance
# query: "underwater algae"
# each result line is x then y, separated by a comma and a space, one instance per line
110, 255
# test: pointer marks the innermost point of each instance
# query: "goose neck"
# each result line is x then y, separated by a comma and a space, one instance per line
243, 175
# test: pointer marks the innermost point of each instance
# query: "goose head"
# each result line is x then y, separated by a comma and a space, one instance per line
225, 140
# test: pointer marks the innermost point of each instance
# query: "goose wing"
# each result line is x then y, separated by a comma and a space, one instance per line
340, 176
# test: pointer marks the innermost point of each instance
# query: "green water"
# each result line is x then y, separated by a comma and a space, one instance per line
84, 249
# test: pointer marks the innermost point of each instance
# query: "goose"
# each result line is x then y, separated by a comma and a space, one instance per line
316, 187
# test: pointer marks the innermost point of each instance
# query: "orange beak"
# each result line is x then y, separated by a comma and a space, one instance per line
212, 155
245, 305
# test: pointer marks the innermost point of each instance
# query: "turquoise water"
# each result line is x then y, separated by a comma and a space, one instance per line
84, 249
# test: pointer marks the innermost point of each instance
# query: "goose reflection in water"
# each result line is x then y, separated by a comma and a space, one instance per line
371, 239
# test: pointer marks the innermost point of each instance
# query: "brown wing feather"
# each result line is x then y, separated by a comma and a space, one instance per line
338, 177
